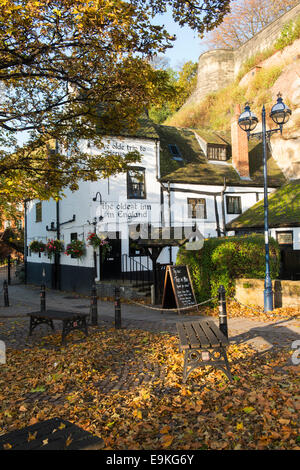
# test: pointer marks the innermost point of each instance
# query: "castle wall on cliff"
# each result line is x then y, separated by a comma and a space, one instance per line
218, 68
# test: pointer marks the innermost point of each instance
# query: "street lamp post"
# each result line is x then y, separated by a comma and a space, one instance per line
280, 114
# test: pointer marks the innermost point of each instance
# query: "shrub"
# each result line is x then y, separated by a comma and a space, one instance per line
222, 260
290, 32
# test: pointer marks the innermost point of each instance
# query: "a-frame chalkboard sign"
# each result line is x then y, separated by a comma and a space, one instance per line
178, 289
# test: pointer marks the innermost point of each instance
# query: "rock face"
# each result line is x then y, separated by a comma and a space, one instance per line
219, 68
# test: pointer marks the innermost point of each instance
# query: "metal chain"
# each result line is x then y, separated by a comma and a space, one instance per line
172, 309
247, 306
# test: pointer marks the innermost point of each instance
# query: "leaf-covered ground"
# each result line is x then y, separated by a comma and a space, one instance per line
126, 386
237, 310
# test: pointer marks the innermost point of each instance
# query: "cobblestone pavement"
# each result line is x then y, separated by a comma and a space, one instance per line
128, 372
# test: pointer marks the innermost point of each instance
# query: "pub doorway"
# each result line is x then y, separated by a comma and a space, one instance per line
111, 258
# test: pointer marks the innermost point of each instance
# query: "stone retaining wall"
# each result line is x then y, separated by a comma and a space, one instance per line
251, 292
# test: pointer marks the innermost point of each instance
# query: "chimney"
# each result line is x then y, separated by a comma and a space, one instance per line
239, 146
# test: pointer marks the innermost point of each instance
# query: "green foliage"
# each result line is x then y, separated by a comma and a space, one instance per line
183, 84
222, 260
289, 33
37, 246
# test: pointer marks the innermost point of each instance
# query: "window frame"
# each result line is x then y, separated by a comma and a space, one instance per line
142, 192
38, 210
192, 211
232, 212
218, 149
175, 155
73, 236
132, 252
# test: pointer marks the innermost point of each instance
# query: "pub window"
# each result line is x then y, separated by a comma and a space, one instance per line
285, 238
135, 249
136, 184
197, 208
38, 212
215, 152
234, 205
176, 155
73, 236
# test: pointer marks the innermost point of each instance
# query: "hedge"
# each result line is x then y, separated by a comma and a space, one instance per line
222, 260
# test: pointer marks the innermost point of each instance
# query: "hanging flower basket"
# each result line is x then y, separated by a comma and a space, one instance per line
54, 247
75, 249
95, 241
37, 246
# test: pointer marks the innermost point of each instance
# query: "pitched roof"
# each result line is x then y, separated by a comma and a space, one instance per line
284, 210
196, 169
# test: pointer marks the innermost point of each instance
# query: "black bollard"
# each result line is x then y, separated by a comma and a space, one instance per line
117, 308
43, 298
94, 309
5, 292
222, 311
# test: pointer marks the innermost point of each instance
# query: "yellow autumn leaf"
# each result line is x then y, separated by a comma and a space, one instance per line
31, 436
167, 440
239, 426
7, 446
248, 409
69, 440
165, 429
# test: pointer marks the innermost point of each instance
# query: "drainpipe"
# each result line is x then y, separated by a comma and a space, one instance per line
57, 256
170, 221
223, 209
25, 241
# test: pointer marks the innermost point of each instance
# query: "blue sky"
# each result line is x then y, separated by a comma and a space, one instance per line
187, 46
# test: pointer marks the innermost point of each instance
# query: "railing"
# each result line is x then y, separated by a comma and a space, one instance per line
135, 271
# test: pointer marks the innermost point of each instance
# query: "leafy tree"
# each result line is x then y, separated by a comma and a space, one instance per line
71, 69
183, 82
246, 18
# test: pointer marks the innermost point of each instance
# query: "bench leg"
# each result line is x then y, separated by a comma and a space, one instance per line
74, 324
217, 359
227, 369
35, 321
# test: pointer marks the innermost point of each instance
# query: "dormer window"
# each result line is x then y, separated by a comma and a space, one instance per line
176, 155
217, 152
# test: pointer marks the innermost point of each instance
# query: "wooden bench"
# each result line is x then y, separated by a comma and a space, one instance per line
53, 434
203, 344
71, 321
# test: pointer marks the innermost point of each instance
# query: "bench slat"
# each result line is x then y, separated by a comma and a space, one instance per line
219, 333
193, 340
202, 338
214, 341
184, 344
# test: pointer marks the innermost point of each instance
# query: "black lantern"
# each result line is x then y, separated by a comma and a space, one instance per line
280, 113
247, 120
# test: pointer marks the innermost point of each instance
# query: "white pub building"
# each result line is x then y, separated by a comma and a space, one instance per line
186, 178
